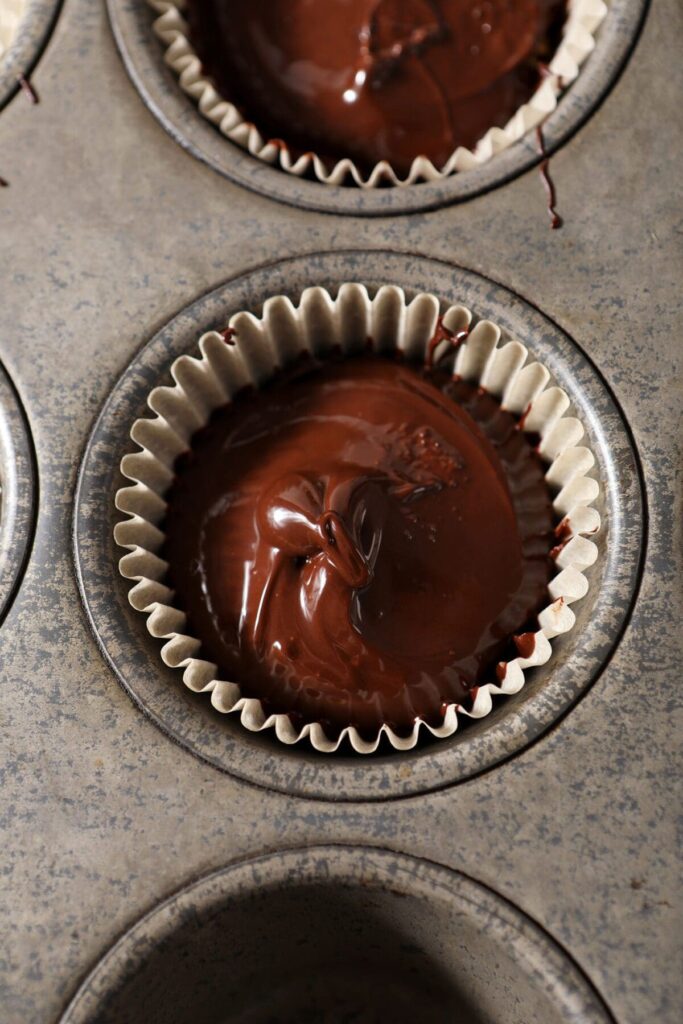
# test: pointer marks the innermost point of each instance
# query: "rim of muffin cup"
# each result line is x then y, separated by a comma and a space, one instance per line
11, 14
319, 324
584, 18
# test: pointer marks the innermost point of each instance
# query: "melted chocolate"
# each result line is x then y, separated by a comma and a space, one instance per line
358, 542
443, 334
558, 549
564, 530
28, 89
548, 183
525, 644
376, 79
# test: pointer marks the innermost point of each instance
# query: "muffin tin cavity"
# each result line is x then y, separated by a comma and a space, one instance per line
336, 934
17, 491
25, 26
144, 58
363, 591
512, 724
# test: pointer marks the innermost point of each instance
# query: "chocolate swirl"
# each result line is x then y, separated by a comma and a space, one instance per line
376, 79
357, 542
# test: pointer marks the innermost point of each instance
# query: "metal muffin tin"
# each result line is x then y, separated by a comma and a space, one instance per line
375, 935
525, 867
18, 491
142, 55
25, 49
516, 722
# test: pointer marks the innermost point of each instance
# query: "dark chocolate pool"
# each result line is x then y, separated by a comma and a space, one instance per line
376, 79
358, 542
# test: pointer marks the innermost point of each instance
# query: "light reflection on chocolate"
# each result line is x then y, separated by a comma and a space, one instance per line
359, 541
376, 79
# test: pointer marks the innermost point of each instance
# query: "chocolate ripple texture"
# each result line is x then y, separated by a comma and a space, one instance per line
377, 80
358, 542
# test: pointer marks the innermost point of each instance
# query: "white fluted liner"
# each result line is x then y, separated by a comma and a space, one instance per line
578, 40
11, 13
319, 322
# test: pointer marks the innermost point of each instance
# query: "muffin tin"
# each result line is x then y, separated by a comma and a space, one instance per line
524, 866
18, 491
518, 720
143, 56
411, 940
317, 321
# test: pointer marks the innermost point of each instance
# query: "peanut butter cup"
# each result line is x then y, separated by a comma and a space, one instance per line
341, 519
376, 80
358, 542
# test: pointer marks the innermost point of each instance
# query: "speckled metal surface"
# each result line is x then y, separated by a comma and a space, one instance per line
517, 721
18, 491
258, 934
25, 49
107, 230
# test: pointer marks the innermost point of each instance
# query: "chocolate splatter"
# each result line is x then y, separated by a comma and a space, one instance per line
28, 89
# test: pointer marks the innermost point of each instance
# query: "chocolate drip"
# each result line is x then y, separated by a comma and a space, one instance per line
558, 549
564, 530
548, 184
376, 79
442, 334
525, 644
357, 542
32, 95
28, 89
521, 425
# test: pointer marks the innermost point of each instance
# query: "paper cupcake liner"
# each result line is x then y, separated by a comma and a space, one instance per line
578, 40
11, 13
318, 324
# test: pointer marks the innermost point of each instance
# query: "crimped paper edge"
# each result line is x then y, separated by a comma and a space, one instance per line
578, 41
203, 383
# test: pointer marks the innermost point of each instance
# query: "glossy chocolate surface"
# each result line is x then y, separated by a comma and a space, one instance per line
376, 79
357, 542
